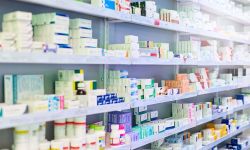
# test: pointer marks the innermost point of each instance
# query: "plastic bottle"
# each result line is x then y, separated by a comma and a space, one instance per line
70, 129
60, 129
91, 142
80, 127
100, 133
75, 144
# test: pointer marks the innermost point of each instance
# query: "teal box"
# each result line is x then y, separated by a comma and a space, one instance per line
1, 112
26, 86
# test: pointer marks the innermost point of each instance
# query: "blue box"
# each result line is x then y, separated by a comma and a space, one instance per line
110, 4
235, 141
100, 100
113, 95
115, 100
121, 100
240, 97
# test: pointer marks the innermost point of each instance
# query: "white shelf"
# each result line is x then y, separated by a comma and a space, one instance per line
219, 63
140, 143
185, 96
9, 122
177, 61
107, 108
230, 135
212, 8
162, 99
158, 61
152, 101
122, 147
84, 8
227, 88
208, 91
167, 133
205, 33
218, 89
247, 147
32, 118
155, 61
50, 58
243, 85
142, 20
171, 98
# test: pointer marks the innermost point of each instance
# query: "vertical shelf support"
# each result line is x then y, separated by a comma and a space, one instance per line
105, 67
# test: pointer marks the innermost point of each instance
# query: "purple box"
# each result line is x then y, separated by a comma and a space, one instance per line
134, 136
118, 117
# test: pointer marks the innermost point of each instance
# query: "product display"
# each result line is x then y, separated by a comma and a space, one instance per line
125, 75
148, 9
57, 33
119, 5
169, 16
148, 124
81, 38
198, 140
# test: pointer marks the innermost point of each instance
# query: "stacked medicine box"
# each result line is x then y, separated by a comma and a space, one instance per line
20, 24
81, 38
53, 29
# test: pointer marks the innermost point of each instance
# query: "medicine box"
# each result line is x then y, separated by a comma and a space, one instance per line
17, 15
142, 118
23, 87
13, 110
152, 115
50, 18
80, 33
140, 110
131, 39
83, 42
80, 23
110, 4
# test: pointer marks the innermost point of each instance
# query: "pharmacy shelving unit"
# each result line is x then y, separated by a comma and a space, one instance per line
113, 17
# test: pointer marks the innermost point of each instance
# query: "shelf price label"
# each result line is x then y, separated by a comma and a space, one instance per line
157, 22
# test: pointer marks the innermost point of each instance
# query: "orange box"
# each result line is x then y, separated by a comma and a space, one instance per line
183, 85
181, 77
